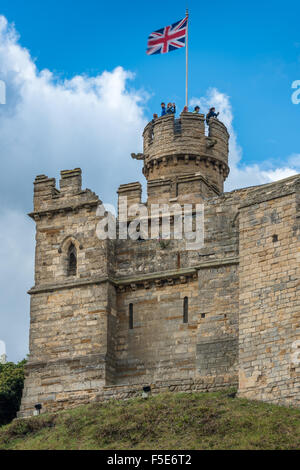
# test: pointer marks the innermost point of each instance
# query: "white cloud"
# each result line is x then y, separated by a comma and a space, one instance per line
278, 173
16, 277
244, 175
2, 348
50, 124
222, 104
294, 160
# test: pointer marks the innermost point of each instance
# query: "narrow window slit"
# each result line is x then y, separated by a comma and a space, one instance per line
72, 260
131, 316
185, 310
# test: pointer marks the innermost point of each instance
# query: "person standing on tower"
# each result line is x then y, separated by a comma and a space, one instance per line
163, 109
210, 114
171, 108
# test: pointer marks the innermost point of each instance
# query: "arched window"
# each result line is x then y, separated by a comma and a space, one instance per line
185, 310
72, 260
131, 316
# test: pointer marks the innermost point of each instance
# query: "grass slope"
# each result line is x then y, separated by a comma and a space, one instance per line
166, 421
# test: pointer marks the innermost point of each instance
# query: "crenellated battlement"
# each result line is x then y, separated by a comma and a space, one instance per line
167, 135
177, 147
47, 198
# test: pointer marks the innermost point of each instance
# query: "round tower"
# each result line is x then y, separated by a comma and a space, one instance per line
177, 151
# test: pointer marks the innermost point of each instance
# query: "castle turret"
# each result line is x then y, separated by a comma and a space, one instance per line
70, 353
180, 160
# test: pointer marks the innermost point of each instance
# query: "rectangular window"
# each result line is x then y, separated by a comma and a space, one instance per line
185, 310
131, 316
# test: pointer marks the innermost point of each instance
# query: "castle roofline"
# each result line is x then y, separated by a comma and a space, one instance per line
265, 192
290, 180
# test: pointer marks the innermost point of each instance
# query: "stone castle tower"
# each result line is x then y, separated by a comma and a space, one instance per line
111, 316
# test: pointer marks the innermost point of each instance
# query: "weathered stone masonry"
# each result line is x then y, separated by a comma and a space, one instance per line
242, 287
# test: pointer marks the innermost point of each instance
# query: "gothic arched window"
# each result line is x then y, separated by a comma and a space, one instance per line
72, 260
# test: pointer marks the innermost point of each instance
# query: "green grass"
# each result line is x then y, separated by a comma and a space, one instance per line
167, 421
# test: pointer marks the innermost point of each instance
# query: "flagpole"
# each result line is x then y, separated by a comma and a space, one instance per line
186, 58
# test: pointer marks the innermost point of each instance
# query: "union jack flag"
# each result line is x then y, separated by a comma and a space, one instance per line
168, 39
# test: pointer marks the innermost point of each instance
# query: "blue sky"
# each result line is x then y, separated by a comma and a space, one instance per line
250, 51
77, 76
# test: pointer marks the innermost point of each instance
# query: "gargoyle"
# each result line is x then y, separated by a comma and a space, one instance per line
138, 156
210, 143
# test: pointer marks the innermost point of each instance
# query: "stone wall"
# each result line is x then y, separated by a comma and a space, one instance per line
160, 345
269, 316
62, 383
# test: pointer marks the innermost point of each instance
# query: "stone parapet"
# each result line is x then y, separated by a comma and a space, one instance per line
174, 147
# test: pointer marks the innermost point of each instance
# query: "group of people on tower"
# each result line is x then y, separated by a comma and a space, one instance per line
171, 109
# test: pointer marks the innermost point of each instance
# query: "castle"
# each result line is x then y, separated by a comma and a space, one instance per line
109, 317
